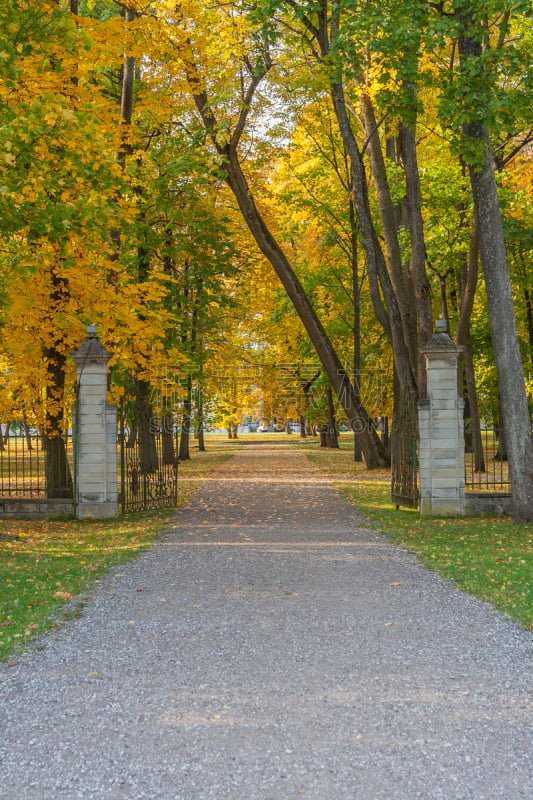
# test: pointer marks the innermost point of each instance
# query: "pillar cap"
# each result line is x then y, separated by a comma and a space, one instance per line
440, 343
91, 350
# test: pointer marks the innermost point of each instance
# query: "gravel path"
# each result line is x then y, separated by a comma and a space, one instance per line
272, 647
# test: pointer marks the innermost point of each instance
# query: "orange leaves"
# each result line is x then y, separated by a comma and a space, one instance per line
63, 595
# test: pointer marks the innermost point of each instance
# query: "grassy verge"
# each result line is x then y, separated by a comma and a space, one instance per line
45, 564
489, 557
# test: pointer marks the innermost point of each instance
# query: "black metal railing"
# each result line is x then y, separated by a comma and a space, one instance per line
148, 463
33, 465
495, 475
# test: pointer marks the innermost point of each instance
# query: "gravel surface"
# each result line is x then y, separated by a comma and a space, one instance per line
272, 647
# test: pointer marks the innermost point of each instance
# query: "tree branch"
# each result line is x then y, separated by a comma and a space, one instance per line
256, 79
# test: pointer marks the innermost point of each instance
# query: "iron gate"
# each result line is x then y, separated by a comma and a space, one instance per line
405, 491
148, 455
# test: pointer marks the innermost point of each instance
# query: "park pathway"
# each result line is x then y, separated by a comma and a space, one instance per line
272, 646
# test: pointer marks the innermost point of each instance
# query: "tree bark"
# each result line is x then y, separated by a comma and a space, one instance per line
390, 314
200, 419
357, 452
400, 325
148, 457
418, 248
387, 212
468, 278
475, 420
332, 437
184, 452
167, 442
4, 437
57, 468
529, 316
502, 319
123, 149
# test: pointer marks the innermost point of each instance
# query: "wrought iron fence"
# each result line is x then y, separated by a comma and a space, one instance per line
33, 464
148, 458
495, 476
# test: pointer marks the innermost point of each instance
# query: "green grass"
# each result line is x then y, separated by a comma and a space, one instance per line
47, 566
489, 557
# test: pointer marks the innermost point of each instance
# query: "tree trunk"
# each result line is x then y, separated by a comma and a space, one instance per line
4, 437
148, 458
475, 420
422, 291
127, 75
467, 426
468, 278
167, 442
332, 437
502, 319
385, 431
132, 436
29, 443
387, 212
200, 420
374, 453
357, 452
392, 317
303, 432
502, 451
529, 313
184, 453
404, 436
57, 468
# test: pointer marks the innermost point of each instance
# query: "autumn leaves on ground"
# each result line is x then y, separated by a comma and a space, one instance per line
46, 568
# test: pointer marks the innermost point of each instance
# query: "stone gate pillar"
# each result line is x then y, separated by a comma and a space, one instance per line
440, 419
95, 432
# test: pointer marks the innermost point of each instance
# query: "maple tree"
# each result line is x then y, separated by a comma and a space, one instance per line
92, 221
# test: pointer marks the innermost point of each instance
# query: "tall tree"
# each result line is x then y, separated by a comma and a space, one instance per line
477, 82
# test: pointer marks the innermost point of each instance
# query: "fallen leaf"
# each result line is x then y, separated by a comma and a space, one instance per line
287, 591
396, 583
63, 595
388, 623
